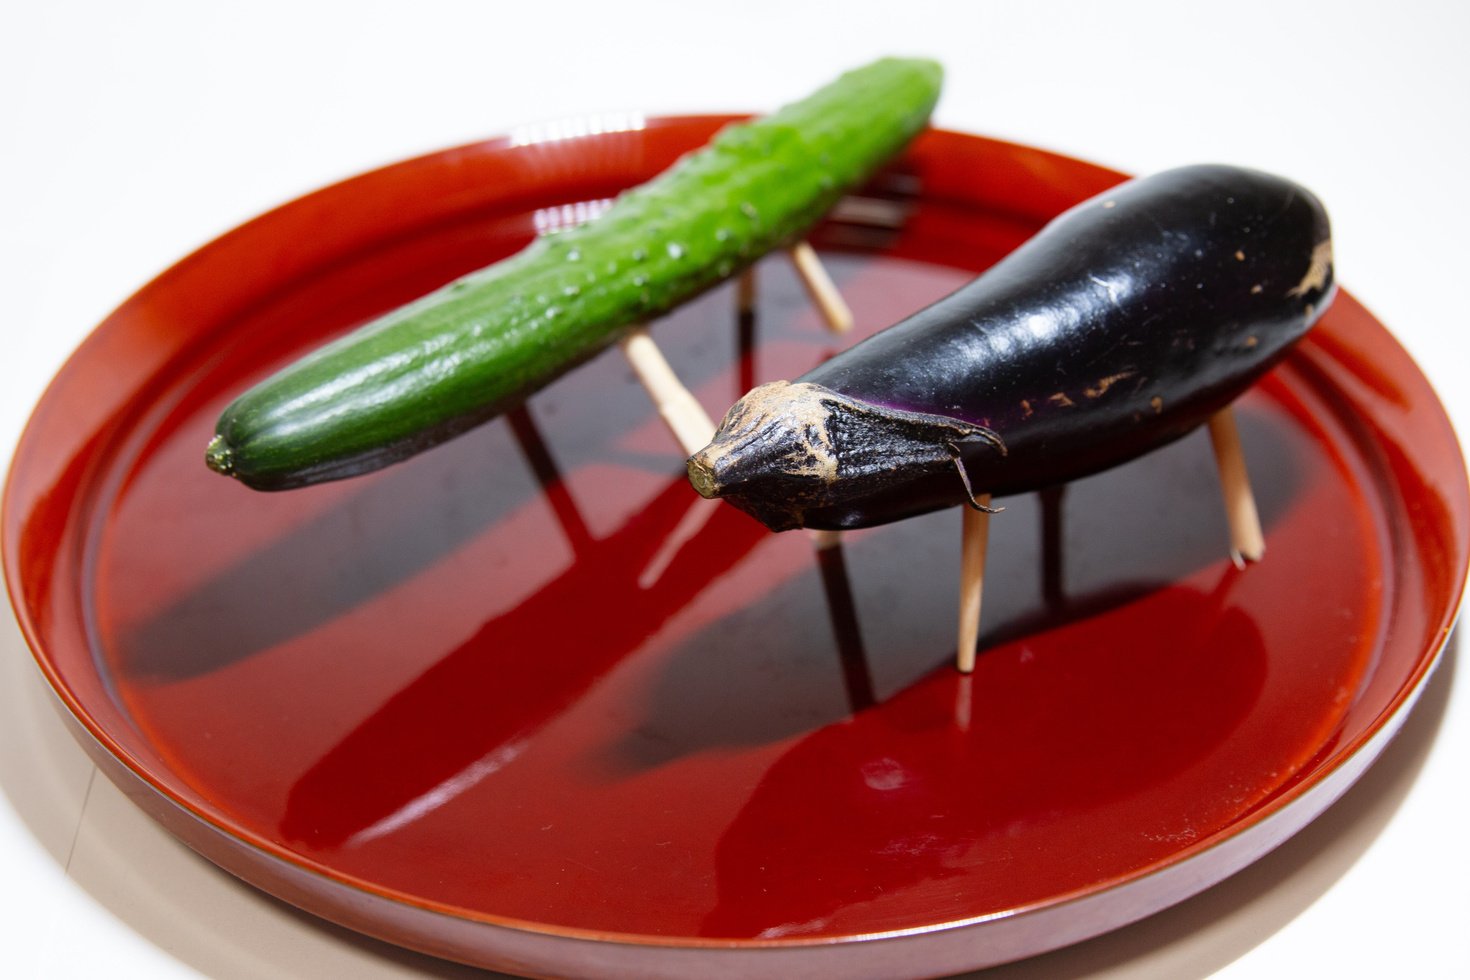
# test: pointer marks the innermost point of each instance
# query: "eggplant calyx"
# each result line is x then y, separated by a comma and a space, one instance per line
785, 449
958, 455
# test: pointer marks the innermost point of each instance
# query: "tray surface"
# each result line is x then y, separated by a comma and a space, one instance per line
526, 701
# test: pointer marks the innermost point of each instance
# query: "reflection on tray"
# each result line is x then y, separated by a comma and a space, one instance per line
464, 717
924, 801
473, 711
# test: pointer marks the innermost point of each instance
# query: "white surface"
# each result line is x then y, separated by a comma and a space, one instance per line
132, 133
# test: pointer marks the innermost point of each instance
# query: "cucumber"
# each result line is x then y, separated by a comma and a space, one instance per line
465, 353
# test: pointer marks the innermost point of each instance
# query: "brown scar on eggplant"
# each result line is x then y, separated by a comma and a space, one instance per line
1318, 269
787, 448
1060, 398
1103, 384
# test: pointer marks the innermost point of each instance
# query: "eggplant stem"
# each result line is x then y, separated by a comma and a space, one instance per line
992, 437
959, 465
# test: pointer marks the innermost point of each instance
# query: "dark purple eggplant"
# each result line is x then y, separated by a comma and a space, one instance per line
1122, 325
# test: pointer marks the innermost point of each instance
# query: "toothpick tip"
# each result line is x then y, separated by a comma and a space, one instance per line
824, 540
1241, 557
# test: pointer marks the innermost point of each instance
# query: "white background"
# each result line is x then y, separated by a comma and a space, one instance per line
131, 133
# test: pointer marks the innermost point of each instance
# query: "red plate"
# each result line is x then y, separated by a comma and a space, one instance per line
525, 701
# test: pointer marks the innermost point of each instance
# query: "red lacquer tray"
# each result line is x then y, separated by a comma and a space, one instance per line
525, 701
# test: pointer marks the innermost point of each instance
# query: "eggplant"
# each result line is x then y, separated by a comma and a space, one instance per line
1121, 326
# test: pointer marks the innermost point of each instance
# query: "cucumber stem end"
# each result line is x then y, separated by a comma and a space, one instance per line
219, 457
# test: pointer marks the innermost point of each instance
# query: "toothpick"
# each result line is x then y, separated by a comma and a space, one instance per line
824, 540
686, 418
820, 287
1247, 542
974, 536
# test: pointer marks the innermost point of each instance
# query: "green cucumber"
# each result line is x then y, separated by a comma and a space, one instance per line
465, 353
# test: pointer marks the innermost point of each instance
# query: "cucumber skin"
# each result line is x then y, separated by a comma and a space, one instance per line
465, 353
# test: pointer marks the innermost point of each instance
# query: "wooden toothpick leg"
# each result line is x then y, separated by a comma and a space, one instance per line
823, 540
973, 539
690, 424
1247, 542
685, 417
691, 427
820, 287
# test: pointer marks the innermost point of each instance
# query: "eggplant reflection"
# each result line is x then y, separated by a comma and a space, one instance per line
909, 800
875, 618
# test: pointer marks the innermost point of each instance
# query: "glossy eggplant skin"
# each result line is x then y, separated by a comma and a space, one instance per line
1122, 325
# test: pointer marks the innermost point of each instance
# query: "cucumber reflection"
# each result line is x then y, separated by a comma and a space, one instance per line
468, 715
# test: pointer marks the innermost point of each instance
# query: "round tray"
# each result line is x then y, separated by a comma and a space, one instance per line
525, 701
